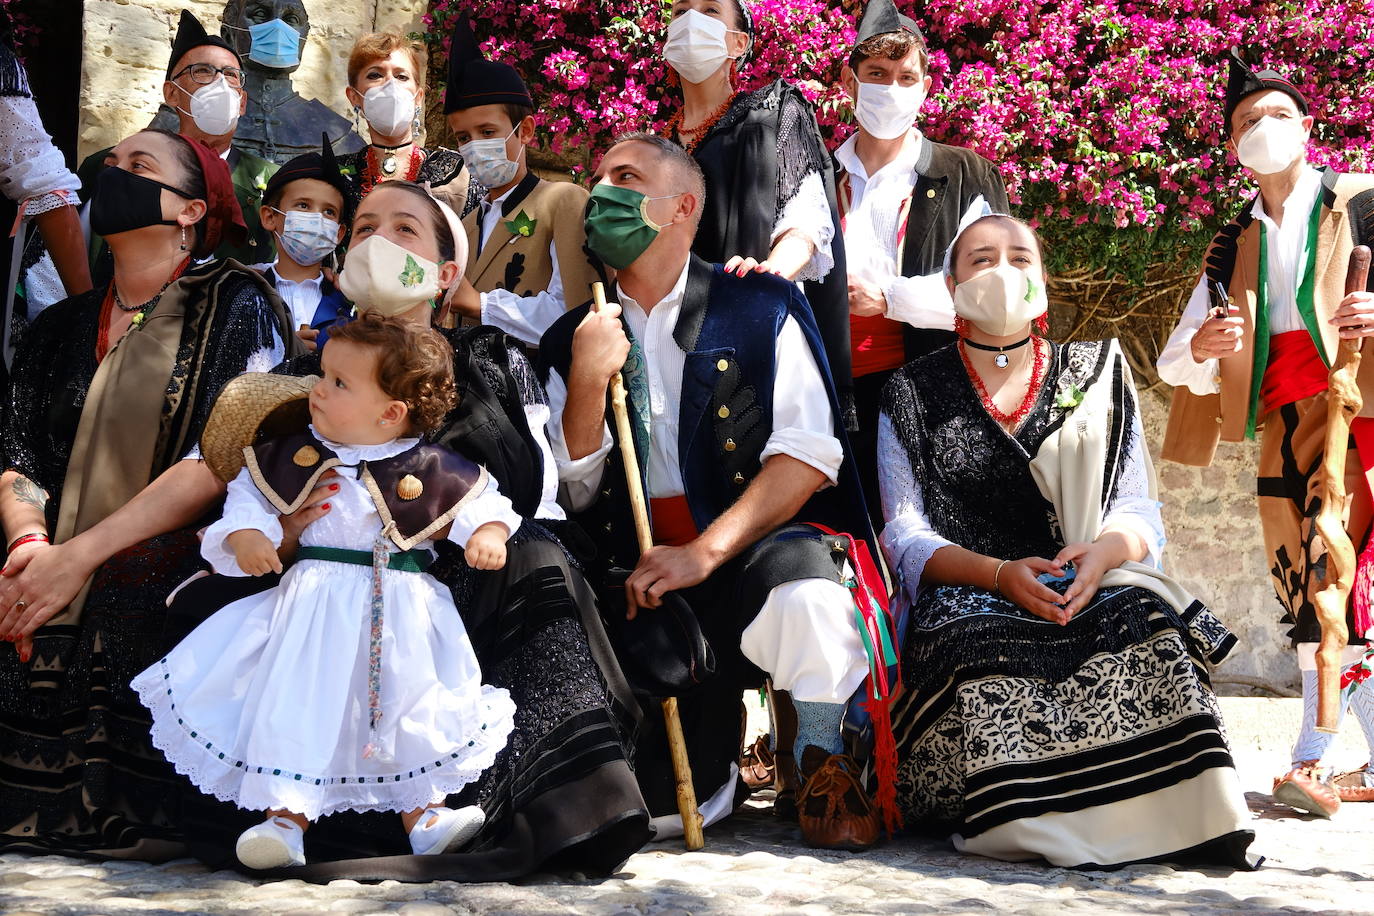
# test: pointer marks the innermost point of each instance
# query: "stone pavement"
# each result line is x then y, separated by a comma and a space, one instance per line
755, 866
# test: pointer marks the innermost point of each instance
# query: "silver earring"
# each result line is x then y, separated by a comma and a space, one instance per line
415, 128
183, 238
381, 423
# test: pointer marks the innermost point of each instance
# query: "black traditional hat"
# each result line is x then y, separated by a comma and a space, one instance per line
1242, 82
881, 17
473, 80
191, 35
321, 166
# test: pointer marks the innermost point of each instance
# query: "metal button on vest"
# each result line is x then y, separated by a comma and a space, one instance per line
729, 445
723, 412
930, 192
723, 364
739, 478
1218, 419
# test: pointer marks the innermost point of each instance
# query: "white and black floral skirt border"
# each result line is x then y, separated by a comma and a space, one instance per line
1093, 744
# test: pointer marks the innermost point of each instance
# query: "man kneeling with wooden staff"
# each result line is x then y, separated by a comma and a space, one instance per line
734, 419
1252, 352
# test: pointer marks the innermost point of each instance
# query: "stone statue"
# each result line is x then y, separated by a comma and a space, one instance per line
279, 124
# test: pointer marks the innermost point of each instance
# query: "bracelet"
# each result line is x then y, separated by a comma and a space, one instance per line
27, 539
997, 575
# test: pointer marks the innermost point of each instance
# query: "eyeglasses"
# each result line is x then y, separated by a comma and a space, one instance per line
205, 74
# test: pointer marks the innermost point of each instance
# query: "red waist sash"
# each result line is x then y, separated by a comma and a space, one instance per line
876, 344
1295, 370
673, 523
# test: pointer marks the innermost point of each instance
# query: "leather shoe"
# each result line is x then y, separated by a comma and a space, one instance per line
1307, 788
757, 765
833, 809
1350, 787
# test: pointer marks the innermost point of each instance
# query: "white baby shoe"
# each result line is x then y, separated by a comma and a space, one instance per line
440, 830
275, 843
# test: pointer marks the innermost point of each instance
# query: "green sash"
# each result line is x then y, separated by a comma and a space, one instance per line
1307, 285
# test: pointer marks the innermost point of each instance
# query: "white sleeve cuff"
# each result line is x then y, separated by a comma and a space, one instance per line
922, 302
525, 318
1176, 364
490, 505
822, 452
244, 508
808, 212
578, 478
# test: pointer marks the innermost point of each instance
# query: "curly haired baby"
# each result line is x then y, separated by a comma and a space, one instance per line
352, 685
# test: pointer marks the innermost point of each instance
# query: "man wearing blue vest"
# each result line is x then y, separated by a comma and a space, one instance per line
736, 433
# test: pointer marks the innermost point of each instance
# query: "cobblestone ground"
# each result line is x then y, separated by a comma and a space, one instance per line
754, 865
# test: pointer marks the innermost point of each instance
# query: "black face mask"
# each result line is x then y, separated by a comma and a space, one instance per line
124, 201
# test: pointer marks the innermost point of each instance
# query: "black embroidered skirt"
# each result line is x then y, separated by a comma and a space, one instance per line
1092, 744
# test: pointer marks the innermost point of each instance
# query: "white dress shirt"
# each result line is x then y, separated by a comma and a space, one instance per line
803, 424
871, 227
525, 318
1283, 249
302, 297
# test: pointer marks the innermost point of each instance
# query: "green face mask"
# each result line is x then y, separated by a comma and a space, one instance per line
618, 226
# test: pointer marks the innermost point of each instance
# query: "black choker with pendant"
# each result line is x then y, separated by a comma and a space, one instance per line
1001, 359
388, 163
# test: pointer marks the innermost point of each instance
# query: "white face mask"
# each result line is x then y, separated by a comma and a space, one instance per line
307, 237
381, 277
696, 46
486, 161
1001, 301
1271, 145
389, 108
215, 108
886, 111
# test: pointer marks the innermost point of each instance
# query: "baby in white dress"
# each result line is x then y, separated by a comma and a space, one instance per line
352, 685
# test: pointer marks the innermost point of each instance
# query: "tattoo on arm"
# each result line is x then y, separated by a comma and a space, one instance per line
30, 493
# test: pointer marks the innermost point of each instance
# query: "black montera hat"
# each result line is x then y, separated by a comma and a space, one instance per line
473, 80
1242, 82
191, 35
881, 17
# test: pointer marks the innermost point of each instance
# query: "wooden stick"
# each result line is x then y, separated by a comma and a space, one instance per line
1343, 403
677, 744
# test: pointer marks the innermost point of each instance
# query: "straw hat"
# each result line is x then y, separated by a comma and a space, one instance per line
252, 408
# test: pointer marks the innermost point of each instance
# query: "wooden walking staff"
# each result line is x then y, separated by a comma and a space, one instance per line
677, 744
1343, 403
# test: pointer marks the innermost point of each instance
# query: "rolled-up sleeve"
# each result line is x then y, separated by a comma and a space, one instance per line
32, 170
578, 478
803, 423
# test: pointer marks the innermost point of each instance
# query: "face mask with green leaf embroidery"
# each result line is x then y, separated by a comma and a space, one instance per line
1002, 301
385, 279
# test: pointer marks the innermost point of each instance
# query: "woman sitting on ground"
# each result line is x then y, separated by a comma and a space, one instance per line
1057, 701
110, 391
562, 791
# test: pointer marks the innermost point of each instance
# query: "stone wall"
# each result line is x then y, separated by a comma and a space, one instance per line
126, 44
1216, 550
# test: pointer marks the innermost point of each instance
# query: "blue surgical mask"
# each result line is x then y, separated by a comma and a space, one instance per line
307, 237
275, 45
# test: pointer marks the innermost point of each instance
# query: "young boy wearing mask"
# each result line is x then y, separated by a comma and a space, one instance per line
527, 261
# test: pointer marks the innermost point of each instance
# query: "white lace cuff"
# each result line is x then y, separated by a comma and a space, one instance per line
808, 212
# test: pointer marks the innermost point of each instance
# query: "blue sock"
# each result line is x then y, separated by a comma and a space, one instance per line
818, 724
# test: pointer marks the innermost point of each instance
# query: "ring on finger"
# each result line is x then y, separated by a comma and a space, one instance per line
20, 604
